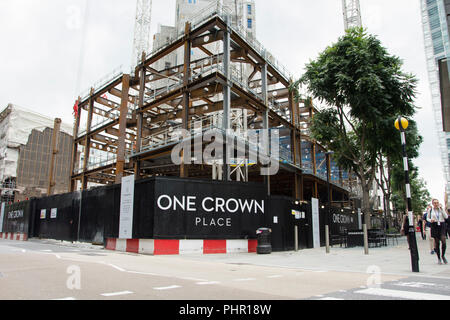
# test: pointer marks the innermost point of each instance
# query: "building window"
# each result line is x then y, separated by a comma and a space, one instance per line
249, 23
249, 9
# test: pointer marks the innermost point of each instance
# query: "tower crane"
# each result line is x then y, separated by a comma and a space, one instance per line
352, 13
141, 42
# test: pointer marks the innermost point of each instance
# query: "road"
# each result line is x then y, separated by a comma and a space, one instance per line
36, 270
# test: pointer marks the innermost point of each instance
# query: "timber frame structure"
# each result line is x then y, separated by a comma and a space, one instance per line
129, 120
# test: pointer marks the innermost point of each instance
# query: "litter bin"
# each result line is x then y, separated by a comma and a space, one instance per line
264, 241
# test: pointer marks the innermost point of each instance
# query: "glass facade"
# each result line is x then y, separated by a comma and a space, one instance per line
437, 47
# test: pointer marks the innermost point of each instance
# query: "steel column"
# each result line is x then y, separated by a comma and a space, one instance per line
120, 165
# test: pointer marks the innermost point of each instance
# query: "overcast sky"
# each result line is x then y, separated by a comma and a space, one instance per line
54, 49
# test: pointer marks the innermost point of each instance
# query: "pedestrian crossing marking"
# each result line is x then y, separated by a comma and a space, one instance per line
410, 295
415, 284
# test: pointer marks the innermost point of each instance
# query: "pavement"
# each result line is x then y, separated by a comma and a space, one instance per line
394, 259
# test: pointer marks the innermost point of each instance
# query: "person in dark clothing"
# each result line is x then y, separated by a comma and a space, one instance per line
447, 221
420, 225
437, 216
405, 228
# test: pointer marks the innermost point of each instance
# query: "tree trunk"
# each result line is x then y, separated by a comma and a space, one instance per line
366, 209
388, 206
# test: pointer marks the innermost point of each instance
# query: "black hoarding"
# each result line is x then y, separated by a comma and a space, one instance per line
17, 217
192, 209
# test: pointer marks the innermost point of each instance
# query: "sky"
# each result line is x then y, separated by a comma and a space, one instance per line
52, 50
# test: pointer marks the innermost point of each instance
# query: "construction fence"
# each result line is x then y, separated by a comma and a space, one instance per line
173, 208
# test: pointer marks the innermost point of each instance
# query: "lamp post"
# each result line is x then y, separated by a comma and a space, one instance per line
327, 222
402, 124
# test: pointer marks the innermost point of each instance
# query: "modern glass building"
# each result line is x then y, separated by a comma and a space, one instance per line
437, 49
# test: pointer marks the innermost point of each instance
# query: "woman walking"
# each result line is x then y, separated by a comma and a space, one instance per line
437, 217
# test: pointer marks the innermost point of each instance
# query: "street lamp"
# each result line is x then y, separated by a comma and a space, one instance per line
327, 222
402, 124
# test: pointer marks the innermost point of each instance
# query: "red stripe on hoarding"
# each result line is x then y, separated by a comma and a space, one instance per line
214, 246
133, 245
12, 236
167, 247
17, 236
111, 244
252, 244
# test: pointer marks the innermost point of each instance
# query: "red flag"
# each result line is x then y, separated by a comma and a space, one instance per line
75, 109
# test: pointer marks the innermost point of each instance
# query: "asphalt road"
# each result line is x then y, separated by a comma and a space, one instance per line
36, 270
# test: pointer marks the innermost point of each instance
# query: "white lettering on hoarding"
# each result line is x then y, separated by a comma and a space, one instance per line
208, 204
15, 214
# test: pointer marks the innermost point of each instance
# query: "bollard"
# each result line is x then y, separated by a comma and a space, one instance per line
327, 238
296, 237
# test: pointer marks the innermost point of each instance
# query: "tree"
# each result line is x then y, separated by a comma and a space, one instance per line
390, 159
364, 89
420, 196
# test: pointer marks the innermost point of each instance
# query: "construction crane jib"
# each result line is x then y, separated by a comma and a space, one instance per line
352, 14
142, 27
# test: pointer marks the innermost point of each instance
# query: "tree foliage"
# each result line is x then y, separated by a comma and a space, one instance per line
364, 90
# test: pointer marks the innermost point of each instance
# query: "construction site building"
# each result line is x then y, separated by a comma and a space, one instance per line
25, 154
221, 79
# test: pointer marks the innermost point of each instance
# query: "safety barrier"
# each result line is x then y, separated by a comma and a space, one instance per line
180, 247
14, 236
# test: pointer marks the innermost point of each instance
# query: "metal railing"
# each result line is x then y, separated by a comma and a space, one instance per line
108, 78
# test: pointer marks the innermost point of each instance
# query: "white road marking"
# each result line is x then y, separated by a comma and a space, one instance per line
192, 279
205, 283
403, 294
167, 288
143, 273
245, 279
67, 298
50, 252
331, 298
113, 294
275, 276
415, 284
116, 267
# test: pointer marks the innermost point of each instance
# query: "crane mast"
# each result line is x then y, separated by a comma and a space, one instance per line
352, 14
142, 27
